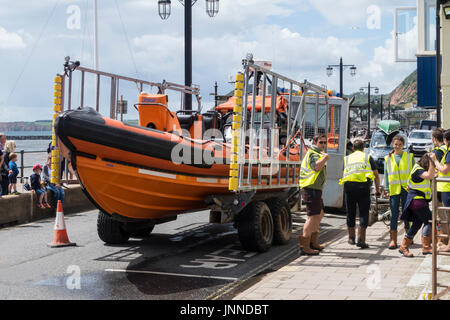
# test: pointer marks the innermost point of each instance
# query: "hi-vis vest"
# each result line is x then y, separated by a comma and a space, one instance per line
357, 168
398, 175
307, 174
443, 148
423, 186
443, 186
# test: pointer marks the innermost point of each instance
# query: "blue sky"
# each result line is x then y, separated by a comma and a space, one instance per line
300, 37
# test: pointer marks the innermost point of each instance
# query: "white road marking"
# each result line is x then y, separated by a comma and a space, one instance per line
171, 274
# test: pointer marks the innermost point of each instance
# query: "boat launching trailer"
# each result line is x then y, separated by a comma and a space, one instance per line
248, 169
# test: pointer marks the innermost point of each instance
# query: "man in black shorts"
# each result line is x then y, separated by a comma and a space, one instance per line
312, 180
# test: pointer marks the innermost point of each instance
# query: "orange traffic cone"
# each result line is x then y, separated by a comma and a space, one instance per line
61, 238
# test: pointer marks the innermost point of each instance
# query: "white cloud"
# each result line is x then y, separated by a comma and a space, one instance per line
355, 12
264, 27
10, 40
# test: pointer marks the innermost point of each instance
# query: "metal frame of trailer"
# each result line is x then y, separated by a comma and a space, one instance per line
309, 112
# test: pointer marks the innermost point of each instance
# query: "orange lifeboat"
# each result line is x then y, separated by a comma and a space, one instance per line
151, 171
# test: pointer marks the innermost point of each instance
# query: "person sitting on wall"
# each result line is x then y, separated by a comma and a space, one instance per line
35, 181
58, 191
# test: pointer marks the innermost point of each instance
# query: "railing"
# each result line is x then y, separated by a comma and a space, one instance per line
70, 68
263, 142
435, 268
22, 166
67, 177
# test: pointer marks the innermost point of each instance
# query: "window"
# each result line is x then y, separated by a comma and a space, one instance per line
405, 34
420, 135
334, 127
430, 25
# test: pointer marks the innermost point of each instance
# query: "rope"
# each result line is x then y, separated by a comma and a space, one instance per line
295, 135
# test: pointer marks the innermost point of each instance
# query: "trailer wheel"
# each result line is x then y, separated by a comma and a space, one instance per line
110, 231
282, 220
255, 227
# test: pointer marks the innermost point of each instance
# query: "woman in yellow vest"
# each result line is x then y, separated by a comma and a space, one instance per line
437, 136
416, 208
359, 172
312, 180
397, 168
443, 168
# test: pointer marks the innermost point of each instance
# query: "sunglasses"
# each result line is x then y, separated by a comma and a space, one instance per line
322, 142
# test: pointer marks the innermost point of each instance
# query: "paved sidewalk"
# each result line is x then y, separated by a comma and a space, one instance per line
346, 272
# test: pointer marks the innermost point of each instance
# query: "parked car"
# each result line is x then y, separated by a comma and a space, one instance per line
381, 142
419, 142
428, 124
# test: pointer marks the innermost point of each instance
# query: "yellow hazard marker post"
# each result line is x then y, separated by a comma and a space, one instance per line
57, 108
236, 132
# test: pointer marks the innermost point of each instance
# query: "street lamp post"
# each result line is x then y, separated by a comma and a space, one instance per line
341, 67
361, 90
164, 9
381, 115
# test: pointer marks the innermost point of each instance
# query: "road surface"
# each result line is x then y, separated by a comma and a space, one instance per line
183, 259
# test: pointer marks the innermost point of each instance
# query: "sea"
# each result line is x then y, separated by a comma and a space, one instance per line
38, 149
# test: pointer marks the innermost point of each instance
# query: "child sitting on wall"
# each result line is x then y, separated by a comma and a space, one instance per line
35, 181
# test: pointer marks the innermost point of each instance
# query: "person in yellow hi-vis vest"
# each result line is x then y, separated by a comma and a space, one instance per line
416, 208
437, 136
359, 172
443, 168
397, 168
312, 180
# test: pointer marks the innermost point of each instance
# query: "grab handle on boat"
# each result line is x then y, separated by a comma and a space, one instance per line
153, 104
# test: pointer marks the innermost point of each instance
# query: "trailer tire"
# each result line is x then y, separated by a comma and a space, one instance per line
282, 221
255, 227
110, 231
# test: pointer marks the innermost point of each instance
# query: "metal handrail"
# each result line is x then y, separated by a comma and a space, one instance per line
22, 165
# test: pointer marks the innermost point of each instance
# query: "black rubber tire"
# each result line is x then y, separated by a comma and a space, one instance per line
282, 221
255, 227
110, 231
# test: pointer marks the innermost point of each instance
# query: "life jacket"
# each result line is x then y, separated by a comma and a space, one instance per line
398, 175
357, 168
307, 174
423, 187
443, 186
